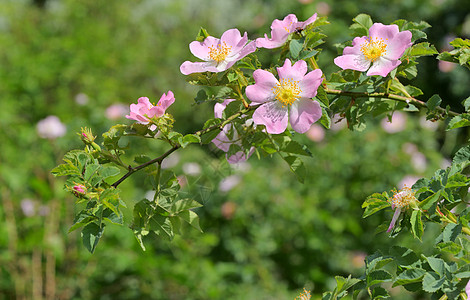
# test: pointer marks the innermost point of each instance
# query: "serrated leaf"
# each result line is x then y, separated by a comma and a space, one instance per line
403, 256
91, 235
191, 218
374, 203
409, 276
81, 219
295, 46
432, 282
65, 170
416, 224
161, 225
380, 293
451, 231
429, 201
450, 247
433, 102
378, 276
297, 166
364, 20
461, 120
184, 204
437, 264
423, 49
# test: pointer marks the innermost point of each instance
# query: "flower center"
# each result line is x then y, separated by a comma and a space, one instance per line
403, 198
219, 53
374, 48
287, 91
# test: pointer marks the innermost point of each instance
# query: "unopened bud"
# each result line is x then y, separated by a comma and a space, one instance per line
87, 136
79, 190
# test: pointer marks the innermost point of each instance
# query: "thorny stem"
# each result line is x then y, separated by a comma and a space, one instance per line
132, 170
407, 100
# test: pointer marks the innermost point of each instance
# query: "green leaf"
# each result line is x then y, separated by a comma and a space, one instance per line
81, 219
409, 276
429, 201
109, 171
295, 46
189, 139
343, 284
209, 136
461, 120
459, 43
91, 235
416, 224
433, 102
462, 156
437, 264
380, 293
466, 104
449, 247
403, 256
297, 166
65, 170
191, 218
365, 21
375, 203
112, 136
451, 231
161, 225
378, 276
184, 204
432, 282
110, 216
423, 49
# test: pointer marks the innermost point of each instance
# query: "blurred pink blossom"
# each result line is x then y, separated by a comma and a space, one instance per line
398, 123
171, 161
228, 209
51, 128
446, 66
116, 111
428, 124
408, 181
28, 207
467, 289
81, 99
338, 123
419, 162
229, 183
316, 133
323, 8
192, 168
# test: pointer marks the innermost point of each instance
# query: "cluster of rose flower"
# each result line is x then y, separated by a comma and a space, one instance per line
289, 98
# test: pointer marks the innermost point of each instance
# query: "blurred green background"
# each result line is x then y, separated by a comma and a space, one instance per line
266, 236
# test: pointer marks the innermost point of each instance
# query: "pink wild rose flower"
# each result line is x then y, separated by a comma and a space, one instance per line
286, 99
280, 31
218, 54
222, 140
143, 111
382, 48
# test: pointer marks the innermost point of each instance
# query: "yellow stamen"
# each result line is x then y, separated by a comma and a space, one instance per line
220, 52
374, 48
403, 197
287, 91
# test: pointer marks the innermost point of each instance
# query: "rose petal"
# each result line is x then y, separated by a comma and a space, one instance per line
381, 31
353, 62
310, 83
296, 72
261, 91
304, 112
273, 115
189, 67
383, 66
397, 46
